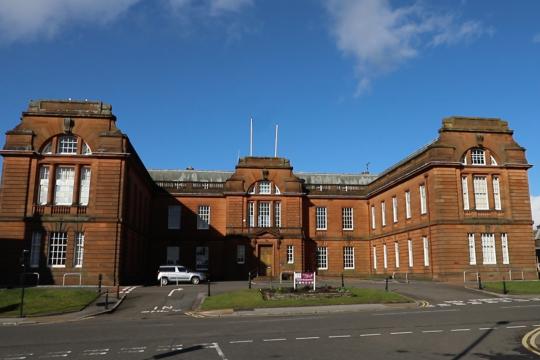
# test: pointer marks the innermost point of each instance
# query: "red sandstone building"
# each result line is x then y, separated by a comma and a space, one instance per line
76, 195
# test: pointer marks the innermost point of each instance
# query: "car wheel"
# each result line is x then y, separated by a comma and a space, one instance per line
195, 280
164, 281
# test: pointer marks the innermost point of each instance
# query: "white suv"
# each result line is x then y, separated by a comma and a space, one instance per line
173, 273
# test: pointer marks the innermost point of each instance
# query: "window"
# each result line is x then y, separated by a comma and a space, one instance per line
251, 214
84, 194
322, 258
423, 201
264, 214
373, 223
408, 204
35, 249
43, 190
480, 193
426, 250
173, 255
348, 257
394, 209
86, 149
396, 252
265, 187
63, 193
375, 257
347, 218
472, 250
67, 144
290, 254
321, 218
241, 254
488, 249
202, 256
410, 251
277, 214
47, 149
175, 212
385, 256
383, 213
57, 249
496, 193
465, 190
505, 254
478, 157
203, 217
79, 250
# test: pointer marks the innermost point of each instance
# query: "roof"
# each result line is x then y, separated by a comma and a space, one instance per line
336, 179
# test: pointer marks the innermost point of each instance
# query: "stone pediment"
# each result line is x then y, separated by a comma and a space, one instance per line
267, 233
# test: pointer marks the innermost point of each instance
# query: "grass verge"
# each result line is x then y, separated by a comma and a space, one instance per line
251, 299
514, 287
44, 301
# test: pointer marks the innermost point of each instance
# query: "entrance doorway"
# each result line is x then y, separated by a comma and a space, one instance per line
266, 260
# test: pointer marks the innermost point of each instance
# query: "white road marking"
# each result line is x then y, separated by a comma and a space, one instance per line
516, 327
95, 352
56, 354
401, 333
458, 330
415, 312
138, 349
308, 338
487, 328
278, 339
519, 306
338, 336
432, 331
219, 351
240, 341
173, 290
18, 356
374, 334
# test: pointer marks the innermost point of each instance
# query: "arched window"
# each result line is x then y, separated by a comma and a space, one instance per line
264, 187
66, 145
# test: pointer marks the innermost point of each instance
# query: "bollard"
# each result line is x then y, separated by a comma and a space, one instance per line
479, 282
342, 282
117, 292
208, 280
386, 284
107, 299
100, 278
249, 280
504, 286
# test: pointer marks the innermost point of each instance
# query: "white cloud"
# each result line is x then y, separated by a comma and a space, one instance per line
28, 19
536, 38
535, 206
380, 38
210, 7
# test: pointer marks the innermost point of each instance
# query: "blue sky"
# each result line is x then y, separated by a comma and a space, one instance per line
348, 82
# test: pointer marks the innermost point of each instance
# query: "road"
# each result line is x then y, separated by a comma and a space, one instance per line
146, 327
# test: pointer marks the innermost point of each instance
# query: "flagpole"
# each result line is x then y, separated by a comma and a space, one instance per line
251, 136
276, 141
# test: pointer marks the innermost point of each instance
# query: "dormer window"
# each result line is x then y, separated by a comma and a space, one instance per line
478, 157
67, 144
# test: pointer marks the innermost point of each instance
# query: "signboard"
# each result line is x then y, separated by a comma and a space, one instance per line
304, 279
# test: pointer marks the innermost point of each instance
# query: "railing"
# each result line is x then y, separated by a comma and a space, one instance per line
35, 274
282, 231
71, 274
329, 188
484, 213
472, 272
192, 186
406, 273
59, 210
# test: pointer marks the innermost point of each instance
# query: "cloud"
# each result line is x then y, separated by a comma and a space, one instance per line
210, 7
535, 206
28, 19
380, 38
536, 38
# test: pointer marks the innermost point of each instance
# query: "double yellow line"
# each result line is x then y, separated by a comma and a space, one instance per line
423, 303
529, 341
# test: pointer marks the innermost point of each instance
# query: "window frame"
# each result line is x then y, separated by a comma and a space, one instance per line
251, 214
57, 255
374, 252
240, 254
465, 192
423, 199
408, 212
394, 209
264, 214
64, 186
383, 213
373, 218
203, 217
425, 243
396, 254
322, 258
410, 252
67, 144
385, 256
478, 157
174, 217
290, 254
347, 218
496, 193
277, 214
348, 258
481, 192
78, 253
35, 250
472, 249
489, 252
266, 189
84, 185
43, 187
504, 249
321, 218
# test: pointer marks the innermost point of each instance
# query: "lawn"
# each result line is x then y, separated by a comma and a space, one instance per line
252, 298
44, 301
514, 287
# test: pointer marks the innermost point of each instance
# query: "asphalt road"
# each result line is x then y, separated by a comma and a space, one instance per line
465, 329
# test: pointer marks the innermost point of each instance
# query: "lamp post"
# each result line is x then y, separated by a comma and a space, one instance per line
24, 257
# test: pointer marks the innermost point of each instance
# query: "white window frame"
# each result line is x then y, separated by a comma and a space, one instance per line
35, 249
347, 214
383, 213
78, 255
174, 216
373, 219
84, 193
396, 253
265, 187
43, 189
374, 257
86, 149
265, 214
465, 192
251, 213
425, 243
497, 193
423, 199
489, 253
290, 254
67, 144
472, 249
322, 258
493, 161
478, 157
348, 257
240, 254
481, 198
65, 182
394, 209
321, 222
385, 256
408, 204
277, 214
57, 249
410, 252
504, 246
203, 217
